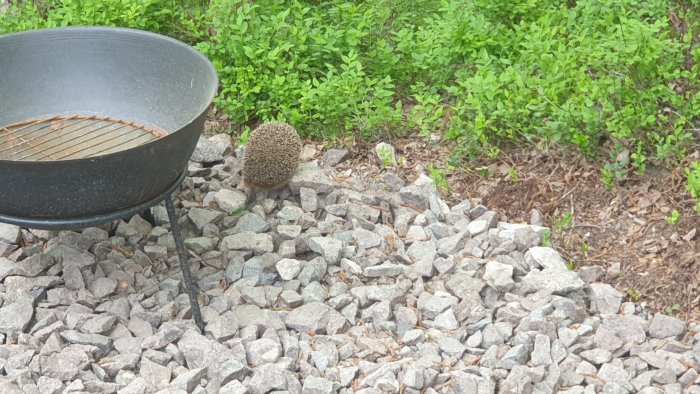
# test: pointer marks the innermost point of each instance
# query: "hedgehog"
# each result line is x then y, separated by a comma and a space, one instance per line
271, 158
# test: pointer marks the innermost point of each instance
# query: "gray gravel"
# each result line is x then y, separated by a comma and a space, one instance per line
323, 288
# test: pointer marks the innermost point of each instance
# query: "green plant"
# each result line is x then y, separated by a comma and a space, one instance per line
563, 223
237, 211
570, 265
584, 248
386, 155
175, 18
693, 182
672, 219
673, 309
599, 77
513, 174
438, 175
632, 294
483, 171
244, 136
547, 238
309, 66
401, 161
427, 114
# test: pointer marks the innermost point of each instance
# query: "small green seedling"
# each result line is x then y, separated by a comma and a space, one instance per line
673, 309
236, 212
693, 178
563, 223
584, 248
385, 155
439, 178
631, 293
547, 238
243, 138
483, 171
570, 265
672, 219
513, 174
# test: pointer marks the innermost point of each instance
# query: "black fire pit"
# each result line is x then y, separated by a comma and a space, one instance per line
98, 124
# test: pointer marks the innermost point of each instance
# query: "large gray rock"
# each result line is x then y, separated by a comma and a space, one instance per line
416, 196
188, 381
461, 283
156, 376
431, 305
313, 271
262, 351
98, 324
47, 385
553, 280
333, 157
103, 343
119, 362
314, 385
66, 365
499, 276
310, 176
450, 245
103, 287
391, 293
267, 378
200, 245
384, 269
67, 255
310, 318
246, 315
208, 151
230, 200
663, 326
251, 222
605, 299
288, 269
327, 247
366, 239
423, 256
542, 257
10, 233
8, 268
166, 334
35, 265
614, 374
617, 330
201, 217
258, 243
15, 317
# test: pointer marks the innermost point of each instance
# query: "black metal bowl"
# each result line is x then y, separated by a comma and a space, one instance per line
116, 81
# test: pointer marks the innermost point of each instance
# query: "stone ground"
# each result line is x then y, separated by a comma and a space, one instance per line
332, 286
652, 262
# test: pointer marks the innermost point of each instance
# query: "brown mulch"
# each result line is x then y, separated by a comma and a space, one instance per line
626, 225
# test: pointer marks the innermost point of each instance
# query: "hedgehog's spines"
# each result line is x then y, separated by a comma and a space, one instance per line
271, 157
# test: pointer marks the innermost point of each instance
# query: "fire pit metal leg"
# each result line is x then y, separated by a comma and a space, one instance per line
190, 284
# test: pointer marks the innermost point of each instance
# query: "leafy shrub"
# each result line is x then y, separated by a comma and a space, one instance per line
170, 17
293, 62
586, 74
598, 71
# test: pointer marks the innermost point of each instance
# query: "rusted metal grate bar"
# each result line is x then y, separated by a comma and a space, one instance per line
71, 137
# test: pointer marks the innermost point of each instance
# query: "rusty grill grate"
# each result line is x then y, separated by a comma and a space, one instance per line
71, 137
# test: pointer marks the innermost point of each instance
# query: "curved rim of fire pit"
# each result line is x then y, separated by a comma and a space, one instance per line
139, 100
45, 33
